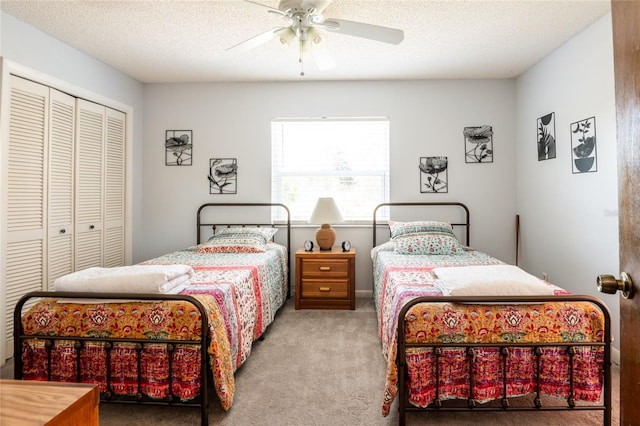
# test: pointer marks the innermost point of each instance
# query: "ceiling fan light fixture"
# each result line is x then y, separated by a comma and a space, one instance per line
301, 19
287, 37
314, 36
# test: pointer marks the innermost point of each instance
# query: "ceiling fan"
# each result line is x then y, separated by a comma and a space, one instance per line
304, 25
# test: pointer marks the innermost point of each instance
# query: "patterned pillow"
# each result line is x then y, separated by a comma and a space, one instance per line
266, 232
424, 237
235, 243
427, 244
399, 229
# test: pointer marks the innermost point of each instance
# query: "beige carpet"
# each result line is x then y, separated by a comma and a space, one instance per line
320, 367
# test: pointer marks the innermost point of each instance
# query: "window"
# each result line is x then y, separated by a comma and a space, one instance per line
343, 158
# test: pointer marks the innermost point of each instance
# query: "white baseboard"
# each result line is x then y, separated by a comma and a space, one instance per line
364, 293
615, 356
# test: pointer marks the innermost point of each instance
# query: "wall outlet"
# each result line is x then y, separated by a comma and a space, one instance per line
545, 276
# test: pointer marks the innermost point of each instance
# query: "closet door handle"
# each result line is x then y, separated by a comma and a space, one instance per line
92, 227
63, 231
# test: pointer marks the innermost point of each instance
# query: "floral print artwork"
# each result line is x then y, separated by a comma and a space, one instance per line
478, 142
547, 137
178, 147
223, 175
583, 146
433, 174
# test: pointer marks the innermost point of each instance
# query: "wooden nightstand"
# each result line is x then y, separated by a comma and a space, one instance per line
326, 279
26, 402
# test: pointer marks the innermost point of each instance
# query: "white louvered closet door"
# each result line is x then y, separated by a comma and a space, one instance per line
114, 189
24, 196
90, 132
61, 186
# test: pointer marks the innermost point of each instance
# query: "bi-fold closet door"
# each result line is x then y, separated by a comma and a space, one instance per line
60, 187
24, 192
63, 190
100, 179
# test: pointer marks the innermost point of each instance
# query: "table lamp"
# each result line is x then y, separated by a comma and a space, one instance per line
325, 213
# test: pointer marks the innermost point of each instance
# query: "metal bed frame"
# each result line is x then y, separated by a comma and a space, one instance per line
202, 399
403, 398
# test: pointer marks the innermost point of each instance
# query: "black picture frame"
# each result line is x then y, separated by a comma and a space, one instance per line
434, 174
546, 139
584, 155
478, 144
223, 176
178, 148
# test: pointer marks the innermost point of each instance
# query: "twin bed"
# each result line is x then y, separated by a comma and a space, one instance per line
155, 348
452, 345
148, 340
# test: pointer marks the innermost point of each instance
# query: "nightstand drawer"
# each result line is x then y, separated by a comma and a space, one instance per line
325, 268
313, 289
326, 279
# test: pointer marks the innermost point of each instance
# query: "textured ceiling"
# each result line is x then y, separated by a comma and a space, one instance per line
186, 41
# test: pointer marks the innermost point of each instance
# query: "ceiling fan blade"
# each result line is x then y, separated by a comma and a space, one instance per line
259, 6
318, 5
258, 40
359, 29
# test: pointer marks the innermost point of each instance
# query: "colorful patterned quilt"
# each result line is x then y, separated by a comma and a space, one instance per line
241, 293
401, 278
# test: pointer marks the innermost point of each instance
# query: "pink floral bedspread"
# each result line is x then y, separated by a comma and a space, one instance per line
249, 288
241, 294
401, 278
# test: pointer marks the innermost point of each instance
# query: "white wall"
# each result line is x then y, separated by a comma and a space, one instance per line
39, 53
569, 222
33, 54
569, 225
233, 120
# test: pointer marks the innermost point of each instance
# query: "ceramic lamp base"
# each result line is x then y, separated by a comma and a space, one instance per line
325, 237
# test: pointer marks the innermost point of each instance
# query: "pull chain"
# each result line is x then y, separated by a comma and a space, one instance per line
300, 58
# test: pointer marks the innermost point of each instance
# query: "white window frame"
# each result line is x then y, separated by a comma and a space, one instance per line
356, 205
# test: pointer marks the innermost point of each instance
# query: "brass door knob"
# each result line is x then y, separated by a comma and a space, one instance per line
609, 284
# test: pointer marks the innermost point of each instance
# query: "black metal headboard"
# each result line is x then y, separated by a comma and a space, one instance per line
465, 224
215, 224
206, 208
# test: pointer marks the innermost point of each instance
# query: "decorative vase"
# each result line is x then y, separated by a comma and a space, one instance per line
584, 164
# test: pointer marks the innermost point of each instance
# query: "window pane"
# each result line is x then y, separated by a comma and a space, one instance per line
347, 159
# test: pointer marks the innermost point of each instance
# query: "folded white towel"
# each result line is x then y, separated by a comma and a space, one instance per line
489, 280
127, 279
176, 284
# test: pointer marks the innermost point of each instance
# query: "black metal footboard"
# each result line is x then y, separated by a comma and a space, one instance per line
201, 400
503, 348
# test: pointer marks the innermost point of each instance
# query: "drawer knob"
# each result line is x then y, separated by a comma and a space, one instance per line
325, 288
325, 268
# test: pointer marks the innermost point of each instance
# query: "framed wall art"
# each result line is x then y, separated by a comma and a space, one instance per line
547, 136
478, 144
178, 147
223, 175
583, 146
434, 174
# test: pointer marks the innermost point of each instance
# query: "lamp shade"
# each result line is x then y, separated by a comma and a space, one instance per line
326, 211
